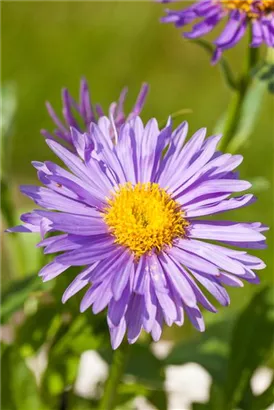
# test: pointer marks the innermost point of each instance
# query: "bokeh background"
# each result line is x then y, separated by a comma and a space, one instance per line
50, 45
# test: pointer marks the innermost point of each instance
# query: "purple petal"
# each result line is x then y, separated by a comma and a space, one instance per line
225, 205
117, 308
177, 278
213, 255
52, 270
117, 334
75, 224
87, 254
218, 186
156, 330
121, 277
214, 287
196, 318
77, 284
134, 316
168, 307
193, 261
224, 231
46, 198
150, 306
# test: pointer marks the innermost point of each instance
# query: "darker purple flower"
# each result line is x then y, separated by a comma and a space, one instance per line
136, 221
80, 115
239, 14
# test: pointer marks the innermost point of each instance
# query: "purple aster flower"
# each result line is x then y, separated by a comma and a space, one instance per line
87, 113
135, 220
240, 14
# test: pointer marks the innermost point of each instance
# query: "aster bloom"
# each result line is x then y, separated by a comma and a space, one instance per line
131, 216
239, 13
86, 112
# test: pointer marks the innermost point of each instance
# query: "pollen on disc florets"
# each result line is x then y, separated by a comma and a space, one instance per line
143, 217
252, 8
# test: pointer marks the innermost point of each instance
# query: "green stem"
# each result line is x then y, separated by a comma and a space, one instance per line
238, 99
117, 368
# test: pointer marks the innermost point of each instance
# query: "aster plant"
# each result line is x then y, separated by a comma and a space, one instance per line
132, 217
80, 114
130, 208
239, 16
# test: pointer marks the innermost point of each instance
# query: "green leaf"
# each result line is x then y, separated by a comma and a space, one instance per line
209, 349
18, 386
128, 391
33, 332
158, 399
15, 296
250, 110
223, 64
251, 342
58, 378
79, 403
264, 400
217, 397
147, 371
200, 406
78, 337
67, 338
219, 126
247, 399
7, 397
265, 71
145, 367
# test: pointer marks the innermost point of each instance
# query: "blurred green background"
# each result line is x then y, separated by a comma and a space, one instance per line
50, 45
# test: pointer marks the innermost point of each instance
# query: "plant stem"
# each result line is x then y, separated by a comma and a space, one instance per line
116, 371
238, 99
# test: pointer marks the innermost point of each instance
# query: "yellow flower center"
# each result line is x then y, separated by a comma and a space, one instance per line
252, 8
144, 217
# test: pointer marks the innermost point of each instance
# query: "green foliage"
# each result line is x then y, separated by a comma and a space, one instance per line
231, 351
19, 390
149, 371
146, 376
249, 114
264, 71
16, 295
150, 374
252, 341
209, 349
264, 400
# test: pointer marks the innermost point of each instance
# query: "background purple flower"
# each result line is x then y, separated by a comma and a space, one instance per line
240, 14
116, 190
89, 112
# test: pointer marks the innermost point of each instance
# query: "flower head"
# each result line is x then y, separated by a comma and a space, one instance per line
239, 13
86, 112
132, 212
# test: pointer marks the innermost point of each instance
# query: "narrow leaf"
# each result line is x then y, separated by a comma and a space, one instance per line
250, 111
15, 296
251, 342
